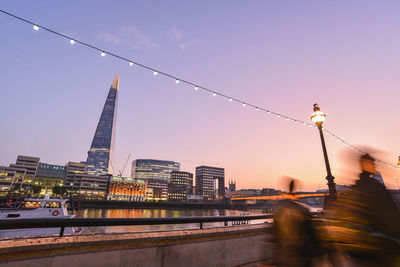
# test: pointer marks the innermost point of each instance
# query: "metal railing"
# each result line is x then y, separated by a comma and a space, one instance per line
84, 222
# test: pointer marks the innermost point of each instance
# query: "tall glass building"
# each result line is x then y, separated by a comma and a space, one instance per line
159, 170
100, 155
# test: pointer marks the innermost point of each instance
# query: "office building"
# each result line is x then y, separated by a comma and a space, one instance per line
153, 169
156, 190
11, 178
100, 155
84, 185
7, 179
30, 164
207, 180
180, 186
49, 176
72, 170
126, 189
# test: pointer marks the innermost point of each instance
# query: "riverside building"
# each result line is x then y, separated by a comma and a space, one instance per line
157, 170
126, 189
30, 165
206, 182
180, 186
84, 185
48, 176
156, 190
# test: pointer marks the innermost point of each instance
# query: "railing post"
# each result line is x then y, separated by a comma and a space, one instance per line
62, 231
201, 225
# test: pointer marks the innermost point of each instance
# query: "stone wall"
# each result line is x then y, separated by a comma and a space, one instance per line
226, 246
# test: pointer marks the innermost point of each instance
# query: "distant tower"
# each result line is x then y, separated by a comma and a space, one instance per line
232, 185
100, 155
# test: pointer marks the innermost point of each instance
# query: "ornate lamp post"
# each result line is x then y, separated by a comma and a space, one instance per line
318, 118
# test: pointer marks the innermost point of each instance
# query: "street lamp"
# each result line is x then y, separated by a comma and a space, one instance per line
318, 118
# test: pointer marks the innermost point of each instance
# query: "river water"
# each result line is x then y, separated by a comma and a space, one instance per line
157, 213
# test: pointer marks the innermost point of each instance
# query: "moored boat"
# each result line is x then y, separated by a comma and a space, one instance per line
37, 208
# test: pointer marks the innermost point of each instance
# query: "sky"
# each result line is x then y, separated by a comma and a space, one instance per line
280, 55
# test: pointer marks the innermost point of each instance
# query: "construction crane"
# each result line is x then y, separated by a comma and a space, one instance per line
126, 162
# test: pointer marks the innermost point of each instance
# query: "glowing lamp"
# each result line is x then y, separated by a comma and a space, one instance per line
36, 27
318, 116
72, 41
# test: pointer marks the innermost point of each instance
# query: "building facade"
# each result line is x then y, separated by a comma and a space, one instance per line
49, 176
156, 190
7, 179
83, 185
126, 189
100, 155
30, 165
180, 186
153, 169
206, 178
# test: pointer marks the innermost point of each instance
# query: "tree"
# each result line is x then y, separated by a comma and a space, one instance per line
63, 190
56, 190
59, 190
36, 189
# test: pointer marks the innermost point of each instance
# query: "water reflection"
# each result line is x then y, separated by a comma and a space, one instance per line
155, 213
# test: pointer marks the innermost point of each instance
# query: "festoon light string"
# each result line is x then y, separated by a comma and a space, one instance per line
196, 86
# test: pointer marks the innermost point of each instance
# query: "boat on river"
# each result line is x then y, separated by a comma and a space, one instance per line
37, 208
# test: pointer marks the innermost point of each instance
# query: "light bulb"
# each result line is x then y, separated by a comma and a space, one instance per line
214, 94
243, 104
177, 80
230, 99
103, 53
196, 88
155, 72
131, 63
36, 27
72, 41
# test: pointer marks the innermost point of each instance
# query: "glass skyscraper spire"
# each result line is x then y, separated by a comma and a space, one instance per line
100, 155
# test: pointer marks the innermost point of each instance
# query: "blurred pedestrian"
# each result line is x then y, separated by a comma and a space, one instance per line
367, 220
295, 235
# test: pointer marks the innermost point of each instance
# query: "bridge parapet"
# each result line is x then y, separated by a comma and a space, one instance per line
246, 245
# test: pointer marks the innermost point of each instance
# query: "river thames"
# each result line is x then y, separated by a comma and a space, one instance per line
157, 213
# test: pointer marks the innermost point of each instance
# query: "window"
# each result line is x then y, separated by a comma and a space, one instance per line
52, 205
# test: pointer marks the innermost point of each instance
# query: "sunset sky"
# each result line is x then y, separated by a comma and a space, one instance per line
280, 55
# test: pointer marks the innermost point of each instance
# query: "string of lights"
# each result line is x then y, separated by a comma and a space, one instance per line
178, 80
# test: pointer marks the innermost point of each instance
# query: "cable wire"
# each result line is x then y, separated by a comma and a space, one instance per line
196, 85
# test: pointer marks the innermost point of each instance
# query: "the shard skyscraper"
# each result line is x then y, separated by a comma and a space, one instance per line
100, 155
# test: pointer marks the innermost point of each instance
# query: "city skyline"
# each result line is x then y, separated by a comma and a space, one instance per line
277, 56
